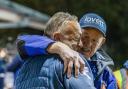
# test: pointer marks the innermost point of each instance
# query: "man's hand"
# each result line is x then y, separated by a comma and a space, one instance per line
69, 57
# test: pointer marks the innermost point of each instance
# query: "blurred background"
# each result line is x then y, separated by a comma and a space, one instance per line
30, 16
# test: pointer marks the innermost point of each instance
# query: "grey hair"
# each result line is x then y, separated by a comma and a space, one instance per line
56, 21
61, 29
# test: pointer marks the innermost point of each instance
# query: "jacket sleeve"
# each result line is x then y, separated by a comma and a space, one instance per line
31, 45
109, 79
15, 64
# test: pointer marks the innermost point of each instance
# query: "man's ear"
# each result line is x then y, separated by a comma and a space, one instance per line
57, 36
103, 41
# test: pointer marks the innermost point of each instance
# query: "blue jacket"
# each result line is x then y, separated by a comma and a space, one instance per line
15, 65
46, 72
39, 47
101, 72
106, 78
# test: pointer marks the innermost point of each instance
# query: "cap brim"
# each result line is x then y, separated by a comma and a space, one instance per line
93, 26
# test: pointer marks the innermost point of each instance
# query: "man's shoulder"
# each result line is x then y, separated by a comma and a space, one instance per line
103, 59
51, 60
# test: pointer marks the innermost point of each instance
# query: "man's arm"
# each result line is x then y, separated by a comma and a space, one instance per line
32, 45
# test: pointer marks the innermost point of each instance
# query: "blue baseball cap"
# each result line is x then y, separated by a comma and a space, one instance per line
126, 64
94, 21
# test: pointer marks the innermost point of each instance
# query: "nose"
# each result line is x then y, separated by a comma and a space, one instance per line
89, 43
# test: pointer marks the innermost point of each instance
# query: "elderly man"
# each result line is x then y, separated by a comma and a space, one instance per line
93, 36
46, 71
